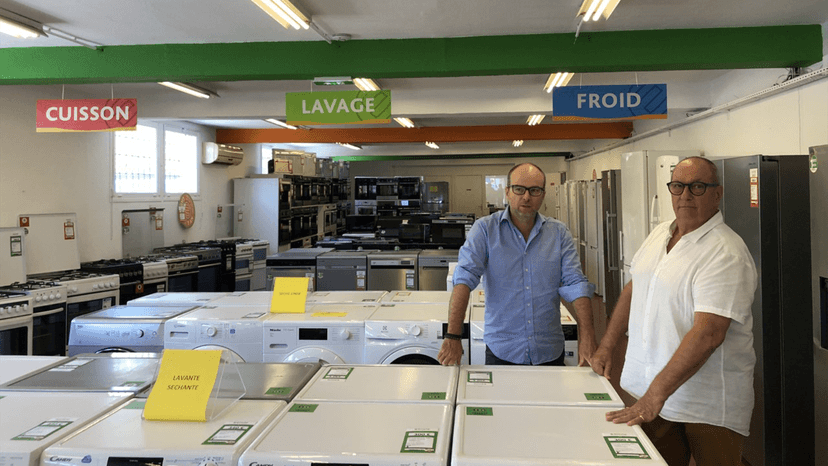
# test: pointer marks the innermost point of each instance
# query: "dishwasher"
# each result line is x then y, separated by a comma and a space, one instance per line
342, 270
433, 266
393, 270
297, 262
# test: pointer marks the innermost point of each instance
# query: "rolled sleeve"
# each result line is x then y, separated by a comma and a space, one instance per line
472, 258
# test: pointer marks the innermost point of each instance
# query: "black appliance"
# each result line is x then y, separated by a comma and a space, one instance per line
129, 271
365, 188
387, 189
453, 234
227, 267
209, 264
360, 223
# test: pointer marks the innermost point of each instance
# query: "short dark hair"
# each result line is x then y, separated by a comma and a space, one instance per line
709, 162
509, 175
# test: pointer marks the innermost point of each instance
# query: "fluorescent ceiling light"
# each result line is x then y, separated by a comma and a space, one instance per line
349, 146
557, 80
404, 122
534, 119
190, 89
285, 13
334, 81
279, 123
517, 142
18, 29
433, 145
592, 10
366, 84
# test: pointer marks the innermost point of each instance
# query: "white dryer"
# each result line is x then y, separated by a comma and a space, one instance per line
379, 434
417, 297
176, 299
13, 367
34, 420
234, 328
329, 297
326, 333
123, 438
409, 334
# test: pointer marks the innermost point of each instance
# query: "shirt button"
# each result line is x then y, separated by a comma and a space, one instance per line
529, 321
527, 270
527, 287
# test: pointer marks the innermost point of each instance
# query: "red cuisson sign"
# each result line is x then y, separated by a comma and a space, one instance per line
87, 115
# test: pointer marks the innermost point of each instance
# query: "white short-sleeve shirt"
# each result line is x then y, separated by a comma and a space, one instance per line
708, 270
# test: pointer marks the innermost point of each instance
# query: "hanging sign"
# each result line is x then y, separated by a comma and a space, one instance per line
81, 115
342, 107
628, 102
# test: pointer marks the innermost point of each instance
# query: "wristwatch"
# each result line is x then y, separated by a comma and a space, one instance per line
452, 336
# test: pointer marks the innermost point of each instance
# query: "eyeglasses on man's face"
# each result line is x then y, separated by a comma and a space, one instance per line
697, 188
519, 190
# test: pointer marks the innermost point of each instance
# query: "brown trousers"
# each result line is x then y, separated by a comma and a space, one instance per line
709, 445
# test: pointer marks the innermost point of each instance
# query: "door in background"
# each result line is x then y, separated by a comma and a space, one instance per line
468, 195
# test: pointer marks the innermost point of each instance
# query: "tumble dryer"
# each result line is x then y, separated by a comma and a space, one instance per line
417, 297
409, 334
327, 333
237, 329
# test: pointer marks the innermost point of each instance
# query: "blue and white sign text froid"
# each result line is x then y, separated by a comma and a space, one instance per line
628, 102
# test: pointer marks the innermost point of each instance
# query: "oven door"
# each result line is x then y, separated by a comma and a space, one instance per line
244, 282
183, 282
208, 277
49, 331
16, 336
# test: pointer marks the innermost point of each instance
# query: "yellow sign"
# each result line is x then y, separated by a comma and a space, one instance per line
329, 314
289, 295
182, 390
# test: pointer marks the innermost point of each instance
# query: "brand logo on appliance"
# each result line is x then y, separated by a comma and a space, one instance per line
260, 464
60, 459
87, 459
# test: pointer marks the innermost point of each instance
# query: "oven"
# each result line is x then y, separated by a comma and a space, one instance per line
386, 208
287, 195
244, 267
15, 324
409, 187
366, 188
182, 281
49, 326
260, 252
365, 207
302, 188
387, 189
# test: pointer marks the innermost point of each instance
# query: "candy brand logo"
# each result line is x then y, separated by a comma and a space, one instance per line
60, 459
260, 464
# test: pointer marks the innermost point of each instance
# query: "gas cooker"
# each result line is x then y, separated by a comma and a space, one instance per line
205, 254
154, 269
129, 271
80, 282
15, 304
176, 262
42, 292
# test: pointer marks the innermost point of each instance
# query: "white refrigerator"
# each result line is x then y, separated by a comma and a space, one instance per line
644, 178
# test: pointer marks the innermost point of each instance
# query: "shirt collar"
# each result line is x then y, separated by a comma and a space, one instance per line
505, 216
697, 234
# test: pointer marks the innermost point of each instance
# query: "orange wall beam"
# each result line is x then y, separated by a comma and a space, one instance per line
614, 130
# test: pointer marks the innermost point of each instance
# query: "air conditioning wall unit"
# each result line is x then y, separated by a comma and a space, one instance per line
222, 154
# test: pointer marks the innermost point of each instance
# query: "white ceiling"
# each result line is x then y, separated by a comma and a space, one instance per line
113, 22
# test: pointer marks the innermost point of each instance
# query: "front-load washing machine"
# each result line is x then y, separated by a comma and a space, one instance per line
409, 334
34, 420
382, 384
574, 386
13, 367
512, 435
123, 438
237, 329
176, 299
326, 333
417, 297
323, 297
379, 434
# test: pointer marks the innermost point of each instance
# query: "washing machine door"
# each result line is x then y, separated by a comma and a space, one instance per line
229, 354
413, 355
313, 354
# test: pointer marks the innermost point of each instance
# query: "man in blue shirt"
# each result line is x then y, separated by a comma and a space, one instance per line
530, 263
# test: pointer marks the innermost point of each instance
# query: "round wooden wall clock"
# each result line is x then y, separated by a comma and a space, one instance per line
186, 211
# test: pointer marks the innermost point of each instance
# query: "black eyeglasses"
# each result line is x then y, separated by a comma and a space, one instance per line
697, 188
519, 190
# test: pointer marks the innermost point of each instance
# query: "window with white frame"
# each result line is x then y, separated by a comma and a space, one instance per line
156, 159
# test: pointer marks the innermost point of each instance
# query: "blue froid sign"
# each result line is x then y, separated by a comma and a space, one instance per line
629, 102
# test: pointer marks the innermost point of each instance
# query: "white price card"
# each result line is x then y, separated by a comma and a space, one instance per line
479, 377
625, 446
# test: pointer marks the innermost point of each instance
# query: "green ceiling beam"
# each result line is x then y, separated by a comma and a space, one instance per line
677, 49
389, 158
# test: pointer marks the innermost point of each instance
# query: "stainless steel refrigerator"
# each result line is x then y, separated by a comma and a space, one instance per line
611, 213
767, 202
436, 196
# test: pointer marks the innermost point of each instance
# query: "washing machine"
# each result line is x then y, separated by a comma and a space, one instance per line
417, 297
123, 438
350, 433
237, 329
512, 435
322, 297
574, 386
176, 299
13, 367
477, 326
34, 420
326, 333
394, 383
259, 299
409, 334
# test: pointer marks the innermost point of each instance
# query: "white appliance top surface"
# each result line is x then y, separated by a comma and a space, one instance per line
417, 297
245, 298
422, 312
356, 433
24, 414
89, 373
12, 367
326, 313
346, 296
225, 314
51, 243
565, 386
543, 435
175, 299
382, 383
126, 434
478, 314
132, 313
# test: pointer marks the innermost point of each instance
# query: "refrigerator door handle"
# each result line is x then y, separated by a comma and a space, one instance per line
620, 248
654, 214
609, 226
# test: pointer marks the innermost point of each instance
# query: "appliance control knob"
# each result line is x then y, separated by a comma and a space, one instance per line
112, 284
207, 463
16, 309
57, 295
95, 286
138, 333
2, 310
25, 307
37, 299
211, 331
74, 289
107, 285
51, 296
414, 330
345, 334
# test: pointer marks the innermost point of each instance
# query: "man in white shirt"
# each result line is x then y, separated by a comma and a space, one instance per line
690, 359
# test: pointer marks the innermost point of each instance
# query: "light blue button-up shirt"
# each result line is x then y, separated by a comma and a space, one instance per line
525, 281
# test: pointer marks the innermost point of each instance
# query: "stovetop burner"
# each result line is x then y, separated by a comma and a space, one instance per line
9, 294
68, 275
32, 285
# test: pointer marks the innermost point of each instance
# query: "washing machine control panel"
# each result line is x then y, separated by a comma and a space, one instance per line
402, 330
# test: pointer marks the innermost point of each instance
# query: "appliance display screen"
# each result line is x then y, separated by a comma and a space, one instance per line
313, 334
121, 461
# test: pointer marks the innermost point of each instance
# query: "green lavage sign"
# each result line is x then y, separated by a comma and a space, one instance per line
334, 108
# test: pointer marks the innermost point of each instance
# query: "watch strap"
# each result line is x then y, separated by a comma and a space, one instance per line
452, 336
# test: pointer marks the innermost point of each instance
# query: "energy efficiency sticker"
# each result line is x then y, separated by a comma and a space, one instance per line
479, 377
228, 434
45, 429
338, 373
419, 441
625, 446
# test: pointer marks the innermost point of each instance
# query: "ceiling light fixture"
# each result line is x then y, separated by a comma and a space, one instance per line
190, 89
534, 119
517, 142
349, 146
433, 145
279, 123
334, 81
404, 122
18, 29
558, 79
285, 13
592, 10
366, 84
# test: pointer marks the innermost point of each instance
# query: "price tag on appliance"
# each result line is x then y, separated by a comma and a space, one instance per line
479, 377
289, 295
229, 434
625, 446
419, 441
338, 373
44, 429
68, 230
